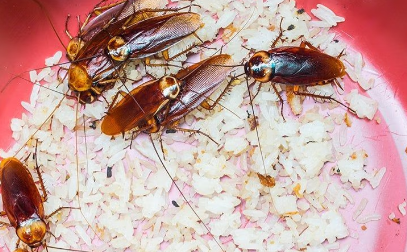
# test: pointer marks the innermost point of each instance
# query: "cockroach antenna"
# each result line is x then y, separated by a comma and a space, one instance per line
183, 196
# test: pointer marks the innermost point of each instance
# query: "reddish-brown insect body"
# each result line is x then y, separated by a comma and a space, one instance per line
100, 60
22, 202
294, 66
165, 101
152, 35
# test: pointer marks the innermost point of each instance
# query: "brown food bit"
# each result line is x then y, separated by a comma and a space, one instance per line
405, 150
252, 121
363, 227
396, 220
347, 120
354, 155
267, 180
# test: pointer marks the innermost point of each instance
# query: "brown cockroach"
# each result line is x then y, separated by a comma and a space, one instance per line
168, 99
139, 40
296, 66
118, 31
23, 203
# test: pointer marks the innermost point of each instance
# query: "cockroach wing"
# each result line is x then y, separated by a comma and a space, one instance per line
101, 67
199, 81
157, 34
21, 198
134, 109
298, 65
109, 23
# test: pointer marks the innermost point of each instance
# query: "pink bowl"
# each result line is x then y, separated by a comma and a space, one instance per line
374, 27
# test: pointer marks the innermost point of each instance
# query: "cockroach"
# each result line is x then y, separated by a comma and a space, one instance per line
297, 67
138, 40
99, 19
23, 204
115, 32
166, 100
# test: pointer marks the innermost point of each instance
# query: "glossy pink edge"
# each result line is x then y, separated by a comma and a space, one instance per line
374, 27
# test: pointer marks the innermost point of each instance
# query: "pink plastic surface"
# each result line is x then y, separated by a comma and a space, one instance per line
377, 28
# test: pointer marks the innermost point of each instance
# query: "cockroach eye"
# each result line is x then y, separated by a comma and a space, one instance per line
169, 87
247, 69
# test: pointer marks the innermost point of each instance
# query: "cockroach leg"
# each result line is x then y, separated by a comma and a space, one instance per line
37, 169
192, 131
60, 80
324, 97
59, 209
258, 88
97, 10
280, 34
208, 106
134, 134
280, 99
148, 62
122, 93
305, 44
341, 54
66, 27
337, 84
161, 143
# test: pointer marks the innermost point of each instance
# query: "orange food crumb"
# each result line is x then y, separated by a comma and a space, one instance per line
251, 152
406, 150
363, 227
266, 180
347, 120
228, 32
296, 190
290, 213
396, 220
354, 155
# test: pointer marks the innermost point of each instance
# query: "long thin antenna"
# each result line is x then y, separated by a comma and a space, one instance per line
183, 196
49, 20
255, 124
77, 169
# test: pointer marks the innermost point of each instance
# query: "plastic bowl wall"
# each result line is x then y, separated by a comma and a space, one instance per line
377, 28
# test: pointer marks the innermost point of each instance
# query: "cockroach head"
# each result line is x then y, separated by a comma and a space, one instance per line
32, 231
260, 67
169, 87
73, 48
